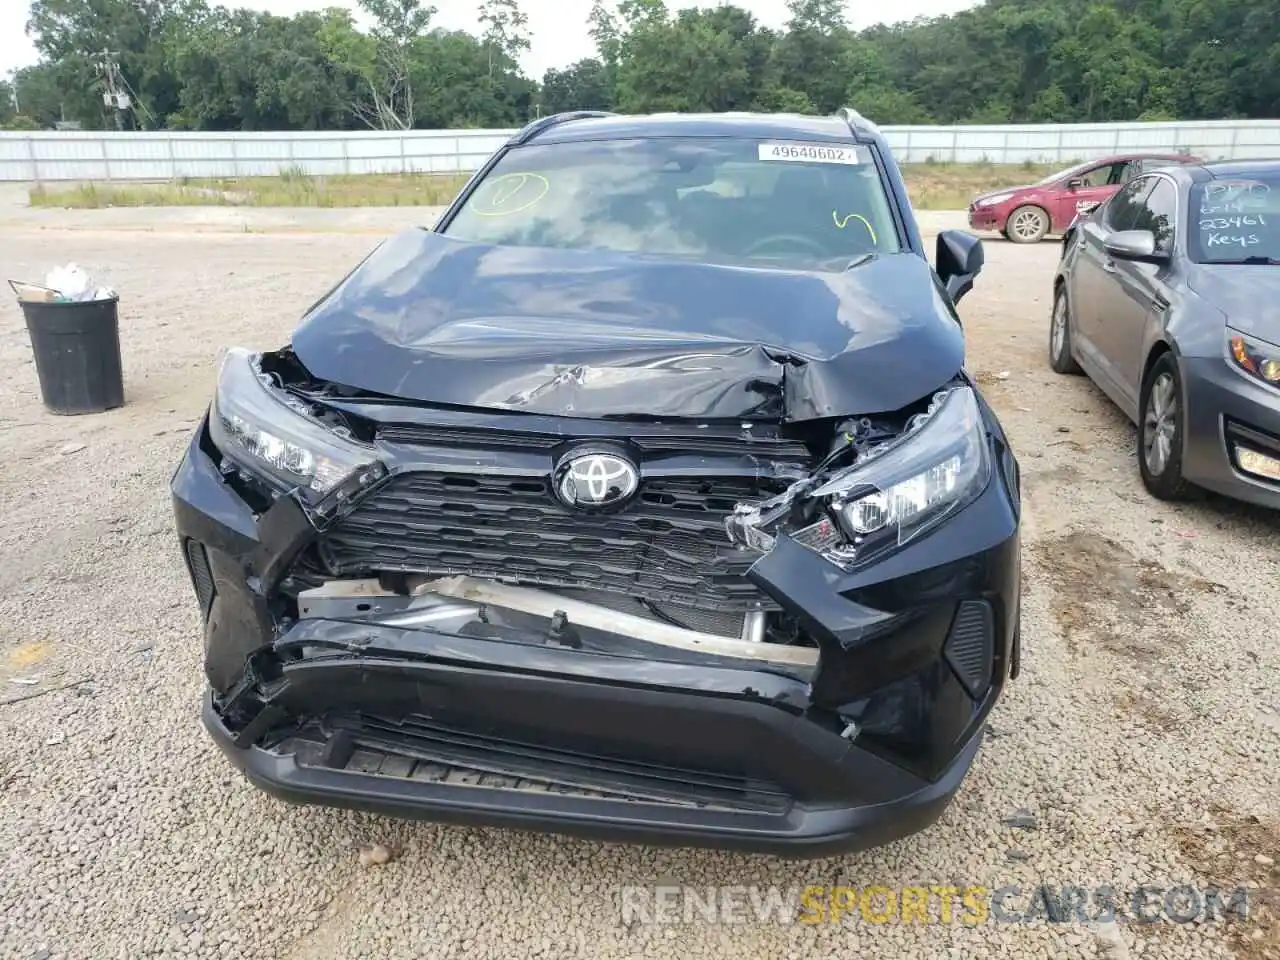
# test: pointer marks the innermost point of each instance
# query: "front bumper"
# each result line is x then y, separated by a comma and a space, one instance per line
505, 727
890, 803
1227, 411
987, 218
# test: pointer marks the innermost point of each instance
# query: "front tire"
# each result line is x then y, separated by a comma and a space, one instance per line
1161, 427
1060, 358
1027, 224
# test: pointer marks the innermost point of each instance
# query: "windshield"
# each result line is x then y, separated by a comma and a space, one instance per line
719, 200
1064, 174
1238, 219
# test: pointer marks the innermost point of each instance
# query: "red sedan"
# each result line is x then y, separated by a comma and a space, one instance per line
1028, 214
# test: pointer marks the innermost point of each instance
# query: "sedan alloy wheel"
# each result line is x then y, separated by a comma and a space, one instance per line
1028, 224
1161, 424
1060, 358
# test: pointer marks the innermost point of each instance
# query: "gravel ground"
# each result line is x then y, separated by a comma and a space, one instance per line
1143, 738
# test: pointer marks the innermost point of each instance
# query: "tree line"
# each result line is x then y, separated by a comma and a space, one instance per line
190, 66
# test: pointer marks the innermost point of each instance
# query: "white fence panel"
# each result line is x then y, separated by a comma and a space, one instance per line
164, 155
1065, 143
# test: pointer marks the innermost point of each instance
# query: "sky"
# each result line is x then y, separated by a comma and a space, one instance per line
558, 28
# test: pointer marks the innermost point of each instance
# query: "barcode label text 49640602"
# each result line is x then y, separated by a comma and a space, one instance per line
810, 153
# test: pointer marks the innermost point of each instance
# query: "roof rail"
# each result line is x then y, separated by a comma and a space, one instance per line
857, 122
532, 129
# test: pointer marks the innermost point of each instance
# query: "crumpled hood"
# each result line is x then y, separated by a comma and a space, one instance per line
591, 334
1249, 296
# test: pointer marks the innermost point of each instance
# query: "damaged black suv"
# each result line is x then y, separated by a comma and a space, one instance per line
645, 498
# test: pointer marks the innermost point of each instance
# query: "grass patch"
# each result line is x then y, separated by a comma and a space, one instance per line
932, 186
951, 186
291, 188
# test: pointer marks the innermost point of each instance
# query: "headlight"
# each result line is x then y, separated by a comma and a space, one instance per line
992, 201
906, 487
1254, 357
273, 435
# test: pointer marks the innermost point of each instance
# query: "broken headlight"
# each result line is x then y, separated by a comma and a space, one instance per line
274, 436
899, 490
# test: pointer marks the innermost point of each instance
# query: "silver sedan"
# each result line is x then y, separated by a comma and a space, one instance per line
1168, 297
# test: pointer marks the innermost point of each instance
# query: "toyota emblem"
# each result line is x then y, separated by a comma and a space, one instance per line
596, 480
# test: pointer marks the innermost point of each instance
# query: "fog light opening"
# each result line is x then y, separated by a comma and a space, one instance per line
1258, 464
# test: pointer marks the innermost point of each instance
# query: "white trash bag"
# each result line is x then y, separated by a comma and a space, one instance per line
73, 283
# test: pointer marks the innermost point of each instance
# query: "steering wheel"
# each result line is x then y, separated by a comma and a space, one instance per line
783, 239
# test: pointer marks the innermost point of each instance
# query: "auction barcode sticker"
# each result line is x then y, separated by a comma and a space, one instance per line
810, 153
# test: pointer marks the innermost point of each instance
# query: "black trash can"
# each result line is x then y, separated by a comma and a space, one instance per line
77, 353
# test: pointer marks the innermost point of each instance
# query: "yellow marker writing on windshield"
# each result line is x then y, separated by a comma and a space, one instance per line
512, 193
841, 224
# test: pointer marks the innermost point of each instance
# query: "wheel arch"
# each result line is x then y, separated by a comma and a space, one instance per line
1181, 488
1157, 350
1068, 237
1159, 347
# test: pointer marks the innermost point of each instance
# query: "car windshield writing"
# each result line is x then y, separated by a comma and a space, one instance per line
721, 200
1236, 219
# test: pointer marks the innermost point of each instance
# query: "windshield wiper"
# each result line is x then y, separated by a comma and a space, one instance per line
1252, 261
859, 260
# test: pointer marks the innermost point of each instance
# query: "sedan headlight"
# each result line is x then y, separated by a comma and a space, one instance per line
274, 436
1254, 357
995, 199
906, 487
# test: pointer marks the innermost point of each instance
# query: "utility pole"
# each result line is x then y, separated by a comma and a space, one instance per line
116, 94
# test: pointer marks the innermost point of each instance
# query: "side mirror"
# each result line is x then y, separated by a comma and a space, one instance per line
1133, 245
958, 261
1075, 183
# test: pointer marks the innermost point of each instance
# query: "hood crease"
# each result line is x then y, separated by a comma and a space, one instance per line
429, 319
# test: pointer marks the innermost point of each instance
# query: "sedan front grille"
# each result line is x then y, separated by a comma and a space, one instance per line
667, 545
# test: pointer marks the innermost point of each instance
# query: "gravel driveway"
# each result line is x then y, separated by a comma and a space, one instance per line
1140, 747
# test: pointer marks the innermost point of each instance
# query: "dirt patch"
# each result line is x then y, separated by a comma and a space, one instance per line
1105, 595
1066, 474
1149, 710
28, 654
21, 666
1073, 445
1238, 851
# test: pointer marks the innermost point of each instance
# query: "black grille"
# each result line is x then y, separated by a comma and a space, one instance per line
970, 646
706, 444
418, 748
201, 575
449, 436
668, 544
